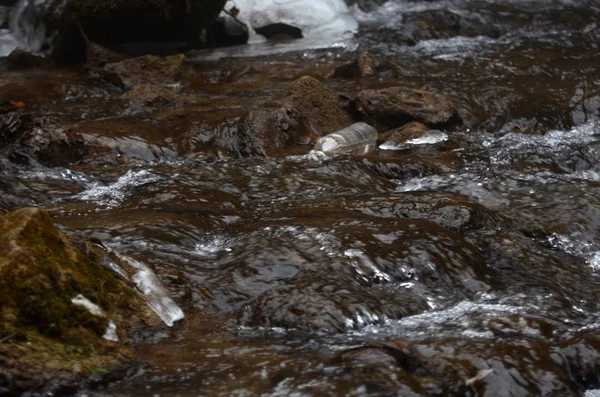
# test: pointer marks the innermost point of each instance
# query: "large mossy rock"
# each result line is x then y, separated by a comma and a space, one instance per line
113, 23
48, 343
317, 104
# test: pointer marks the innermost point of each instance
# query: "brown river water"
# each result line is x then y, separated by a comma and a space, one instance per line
400, 273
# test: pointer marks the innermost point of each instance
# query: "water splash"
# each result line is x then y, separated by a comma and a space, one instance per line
579, 247
115, 194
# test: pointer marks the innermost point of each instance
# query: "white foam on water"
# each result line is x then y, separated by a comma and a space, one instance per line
60, 174
115, 193
592, 393
456, 319
363, 262
156, 297
213, 246
515, 144
579, 247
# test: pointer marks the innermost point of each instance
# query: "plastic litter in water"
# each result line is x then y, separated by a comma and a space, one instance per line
359, 139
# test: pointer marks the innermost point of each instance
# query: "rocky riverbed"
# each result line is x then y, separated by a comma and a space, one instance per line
460, 257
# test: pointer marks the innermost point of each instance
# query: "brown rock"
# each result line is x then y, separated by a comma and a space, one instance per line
262, 132
19, 60
55, 342
320, 106
147, 69
409, 131
367, 65
97, 56
26, 139
146, 98
396, 106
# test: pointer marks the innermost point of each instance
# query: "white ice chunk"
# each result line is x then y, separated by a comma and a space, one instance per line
156, 296
111, 332
81, 300
313, 17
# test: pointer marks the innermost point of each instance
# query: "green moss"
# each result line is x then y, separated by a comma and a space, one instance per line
39, 279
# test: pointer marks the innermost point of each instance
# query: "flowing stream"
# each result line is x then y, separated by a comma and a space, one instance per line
474, 250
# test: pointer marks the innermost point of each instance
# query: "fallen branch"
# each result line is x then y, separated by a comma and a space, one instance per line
6, 338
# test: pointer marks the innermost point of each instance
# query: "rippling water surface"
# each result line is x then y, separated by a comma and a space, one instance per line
403, 272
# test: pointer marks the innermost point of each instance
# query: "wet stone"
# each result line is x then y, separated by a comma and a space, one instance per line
29, 140
329, 308
402, 134
443, 24
393, 107
367, 65
451, 211
317, 104
145, 70
148, 98
263, 132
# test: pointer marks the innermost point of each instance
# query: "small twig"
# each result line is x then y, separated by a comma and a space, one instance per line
235, 19
87, 41
7, 338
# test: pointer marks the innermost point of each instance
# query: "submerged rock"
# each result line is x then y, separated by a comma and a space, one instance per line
49, 282
328, 308
26, 139
407, 132
444, 24
367, 65
145, 98
147, 69
262, 132
317, 104
395, 106
465, 366
19, 60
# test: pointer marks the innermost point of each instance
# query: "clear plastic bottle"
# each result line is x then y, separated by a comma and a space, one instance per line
358, 139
